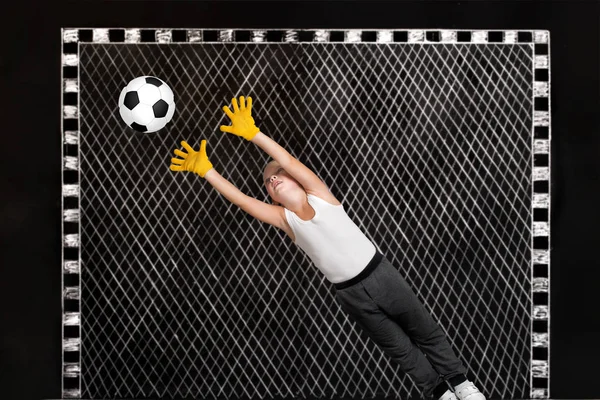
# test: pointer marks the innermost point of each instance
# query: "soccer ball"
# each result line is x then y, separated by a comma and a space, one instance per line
146, 104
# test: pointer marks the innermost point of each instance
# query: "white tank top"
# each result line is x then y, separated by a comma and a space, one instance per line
332, 241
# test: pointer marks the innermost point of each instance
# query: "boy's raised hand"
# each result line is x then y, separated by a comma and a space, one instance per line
242, 123
193, 161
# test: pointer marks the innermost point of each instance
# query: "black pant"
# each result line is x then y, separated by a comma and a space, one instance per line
384, 306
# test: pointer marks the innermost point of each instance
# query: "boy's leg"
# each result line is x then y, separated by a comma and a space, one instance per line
393, 294
391, 339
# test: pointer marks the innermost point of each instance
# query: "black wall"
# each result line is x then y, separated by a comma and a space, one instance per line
30, 270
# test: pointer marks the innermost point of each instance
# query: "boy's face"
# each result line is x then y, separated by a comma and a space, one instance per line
278, 182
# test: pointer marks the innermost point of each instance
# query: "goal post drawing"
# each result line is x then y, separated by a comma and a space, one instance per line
437, 142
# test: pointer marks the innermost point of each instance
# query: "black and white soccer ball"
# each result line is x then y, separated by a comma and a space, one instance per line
146, 104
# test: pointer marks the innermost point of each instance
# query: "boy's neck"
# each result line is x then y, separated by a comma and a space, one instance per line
301, 208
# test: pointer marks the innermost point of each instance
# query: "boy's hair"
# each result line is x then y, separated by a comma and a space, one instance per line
267, 164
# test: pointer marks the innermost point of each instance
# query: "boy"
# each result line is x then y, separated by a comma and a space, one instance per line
369, 289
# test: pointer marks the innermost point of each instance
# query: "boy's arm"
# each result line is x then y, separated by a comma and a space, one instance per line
308, 179
242, 124
260, 210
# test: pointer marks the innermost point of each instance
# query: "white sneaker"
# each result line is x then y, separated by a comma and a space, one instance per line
448, 395
468, 391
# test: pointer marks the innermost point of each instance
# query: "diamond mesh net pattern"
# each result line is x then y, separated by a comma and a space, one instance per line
427, 146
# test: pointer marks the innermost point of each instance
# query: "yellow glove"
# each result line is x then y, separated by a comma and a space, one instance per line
193, 161
242, 123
